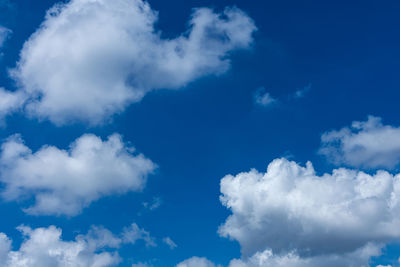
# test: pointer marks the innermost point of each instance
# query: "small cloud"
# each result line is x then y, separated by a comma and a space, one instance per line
300, 93
152, 205
263, 98
169, 242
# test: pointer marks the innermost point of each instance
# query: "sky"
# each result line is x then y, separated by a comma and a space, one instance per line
199, 133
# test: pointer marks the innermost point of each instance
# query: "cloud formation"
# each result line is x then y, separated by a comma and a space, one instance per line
368, 144
196, 262
91, 59
290, 214
44, 247
63, 182
263, 98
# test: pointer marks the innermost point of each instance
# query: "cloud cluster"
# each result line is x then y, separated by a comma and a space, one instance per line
66, 181
367, 144
44, 247
196, 262
91, 58
291, 215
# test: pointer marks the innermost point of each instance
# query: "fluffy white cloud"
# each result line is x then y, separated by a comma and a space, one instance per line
44, 247
290, 214
10, 101
368, 144
196, 262
358, 258
91, 58
66, 181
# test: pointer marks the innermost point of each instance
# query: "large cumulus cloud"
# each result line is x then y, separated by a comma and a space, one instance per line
91, 58
66, 181
290, 214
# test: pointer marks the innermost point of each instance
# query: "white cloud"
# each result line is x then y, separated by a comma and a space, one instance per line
44, 247
368, 144
196, 262
155, 204
133, 233
263, 98
171, 244
291, 214
91, 59
10, 101
66, 181
359, 258
4, 34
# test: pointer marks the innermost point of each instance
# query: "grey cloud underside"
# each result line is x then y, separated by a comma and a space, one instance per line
91, 59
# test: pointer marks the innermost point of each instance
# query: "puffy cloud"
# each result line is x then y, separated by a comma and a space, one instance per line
66, 181
91, 58
10, 101
263, 98
44, 247
171, 244
290, 214
196, 262
358, 258
367, 144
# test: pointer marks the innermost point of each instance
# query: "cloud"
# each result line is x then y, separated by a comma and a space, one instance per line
155, 204
171, 244
133, 233
4, 34
368, 144
10, 102
358, 258
44, 247
63, 182
91, 59
302, 92
196, 262
263, 98
296, 215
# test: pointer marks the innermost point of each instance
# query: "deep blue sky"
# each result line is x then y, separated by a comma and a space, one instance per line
348, 51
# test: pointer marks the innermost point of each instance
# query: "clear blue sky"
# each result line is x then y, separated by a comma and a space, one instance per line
343, 56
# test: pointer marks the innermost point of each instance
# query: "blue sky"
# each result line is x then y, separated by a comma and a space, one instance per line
194, 112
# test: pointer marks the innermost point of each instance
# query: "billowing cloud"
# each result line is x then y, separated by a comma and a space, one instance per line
10, 101
290, 214
196, 262
90, 59
44, 247
367, 144
66, 181
358, 258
